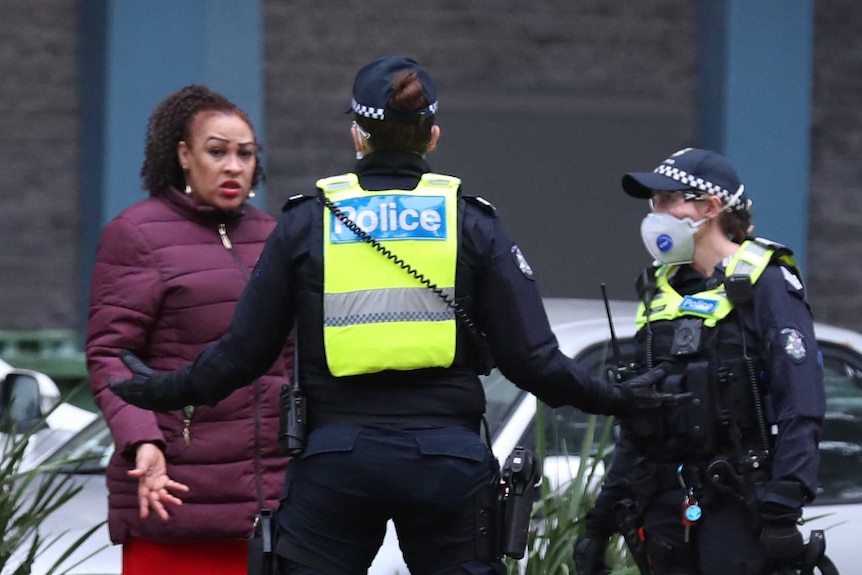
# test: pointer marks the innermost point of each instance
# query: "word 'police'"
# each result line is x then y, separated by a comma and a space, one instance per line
392, 217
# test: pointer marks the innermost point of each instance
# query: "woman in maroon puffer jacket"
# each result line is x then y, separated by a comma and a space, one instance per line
169, 271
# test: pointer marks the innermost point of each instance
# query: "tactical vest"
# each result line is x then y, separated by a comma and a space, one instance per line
706, 345
377, 315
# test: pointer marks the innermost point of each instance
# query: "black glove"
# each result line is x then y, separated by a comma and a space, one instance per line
589, 549
588, 554
780, 538
151, 390
638, 396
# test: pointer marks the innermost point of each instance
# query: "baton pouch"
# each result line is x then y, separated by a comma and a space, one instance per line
261, 559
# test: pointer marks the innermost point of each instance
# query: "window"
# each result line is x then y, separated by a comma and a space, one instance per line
566, 426
841, 443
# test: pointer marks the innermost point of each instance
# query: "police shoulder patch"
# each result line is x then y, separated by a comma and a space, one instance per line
521, 262
482, 203
794, 344
295, 200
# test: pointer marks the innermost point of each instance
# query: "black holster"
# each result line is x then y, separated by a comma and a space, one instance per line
521, 476
261, 559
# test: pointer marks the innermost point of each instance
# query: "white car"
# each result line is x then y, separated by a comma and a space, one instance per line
582, 329
37, 393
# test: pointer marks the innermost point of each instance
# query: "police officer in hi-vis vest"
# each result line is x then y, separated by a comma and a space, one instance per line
389, 366
718, 482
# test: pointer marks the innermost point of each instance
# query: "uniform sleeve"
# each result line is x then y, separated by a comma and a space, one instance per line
796, 383
520, 337
260, 324
125, 296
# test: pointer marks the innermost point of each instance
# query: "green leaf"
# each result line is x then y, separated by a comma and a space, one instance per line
558, 515
27, 498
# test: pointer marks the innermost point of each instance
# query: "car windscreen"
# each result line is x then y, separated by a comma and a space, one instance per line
501, 398
88, 451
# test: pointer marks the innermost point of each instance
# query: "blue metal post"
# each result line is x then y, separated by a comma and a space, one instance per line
133, 54
754, 105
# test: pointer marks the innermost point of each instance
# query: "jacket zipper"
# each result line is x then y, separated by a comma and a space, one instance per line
222, 232
228, 245
225, 240
188, 411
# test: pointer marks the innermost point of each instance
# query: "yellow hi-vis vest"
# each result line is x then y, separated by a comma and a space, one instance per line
712, 305
376, 315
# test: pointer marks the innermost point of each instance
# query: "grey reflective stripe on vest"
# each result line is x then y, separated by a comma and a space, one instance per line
385, 305
745, 268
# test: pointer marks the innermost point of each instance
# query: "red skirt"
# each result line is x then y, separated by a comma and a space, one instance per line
226, 557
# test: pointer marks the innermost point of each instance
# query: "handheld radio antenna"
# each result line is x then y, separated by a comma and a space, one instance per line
614, 342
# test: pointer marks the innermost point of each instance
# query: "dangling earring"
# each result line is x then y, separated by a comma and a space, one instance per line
251, 193
188, 189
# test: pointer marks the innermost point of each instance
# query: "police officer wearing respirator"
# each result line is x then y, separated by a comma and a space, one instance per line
402, 290
718, 482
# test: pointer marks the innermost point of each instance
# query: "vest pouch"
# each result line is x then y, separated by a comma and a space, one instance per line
675, 418
700, 413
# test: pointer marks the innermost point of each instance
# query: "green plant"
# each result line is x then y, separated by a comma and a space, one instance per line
558, 515
27, 497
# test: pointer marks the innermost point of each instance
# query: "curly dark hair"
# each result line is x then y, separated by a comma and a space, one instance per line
389, 136
736, 224
170, 123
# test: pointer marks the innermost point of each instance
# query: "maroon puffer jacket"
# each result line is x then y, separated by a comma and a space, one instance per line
166, 281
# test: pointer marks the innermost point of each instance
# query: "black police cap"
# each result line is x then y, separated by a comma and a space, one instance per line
372, 90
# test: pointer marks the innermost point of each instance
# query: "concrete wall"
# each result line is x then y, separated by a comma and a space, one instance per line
590, 88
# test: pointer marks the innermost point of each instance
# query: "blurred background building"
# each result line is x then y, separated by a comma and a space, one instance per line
543, 106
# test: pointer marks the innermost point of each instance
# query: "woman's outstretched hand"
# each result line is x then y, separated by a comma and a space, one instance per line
154, 484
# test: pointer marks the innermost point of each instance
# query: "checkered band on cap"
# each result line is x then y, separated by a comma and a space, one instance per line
380, 113
367, 111
702, 185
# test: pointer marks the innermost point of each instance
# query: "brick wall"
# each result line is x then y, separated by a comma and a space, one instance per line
38, 164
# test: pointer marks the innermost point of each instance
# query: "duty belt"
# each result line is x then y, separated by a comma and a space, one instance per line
322, 419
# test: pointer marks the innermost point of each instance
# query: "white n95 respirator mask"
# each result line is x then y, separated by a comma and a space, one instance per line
668, 239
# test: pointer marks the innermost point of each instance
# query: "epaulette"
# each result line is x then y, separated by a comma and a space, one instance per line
482, 203
781, 249
295, 200
783, 256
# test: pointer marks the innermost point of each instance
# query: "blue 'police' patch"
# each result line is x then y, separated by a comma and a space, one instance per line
793, 344
391, 217
698, 305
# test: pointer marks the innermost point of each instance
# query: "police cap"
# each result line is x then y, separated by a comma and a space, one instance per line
691, 169
372, 90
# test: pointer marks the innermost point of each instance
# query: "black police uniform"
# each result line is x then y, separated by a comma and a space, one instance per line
726, 538
394, 444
